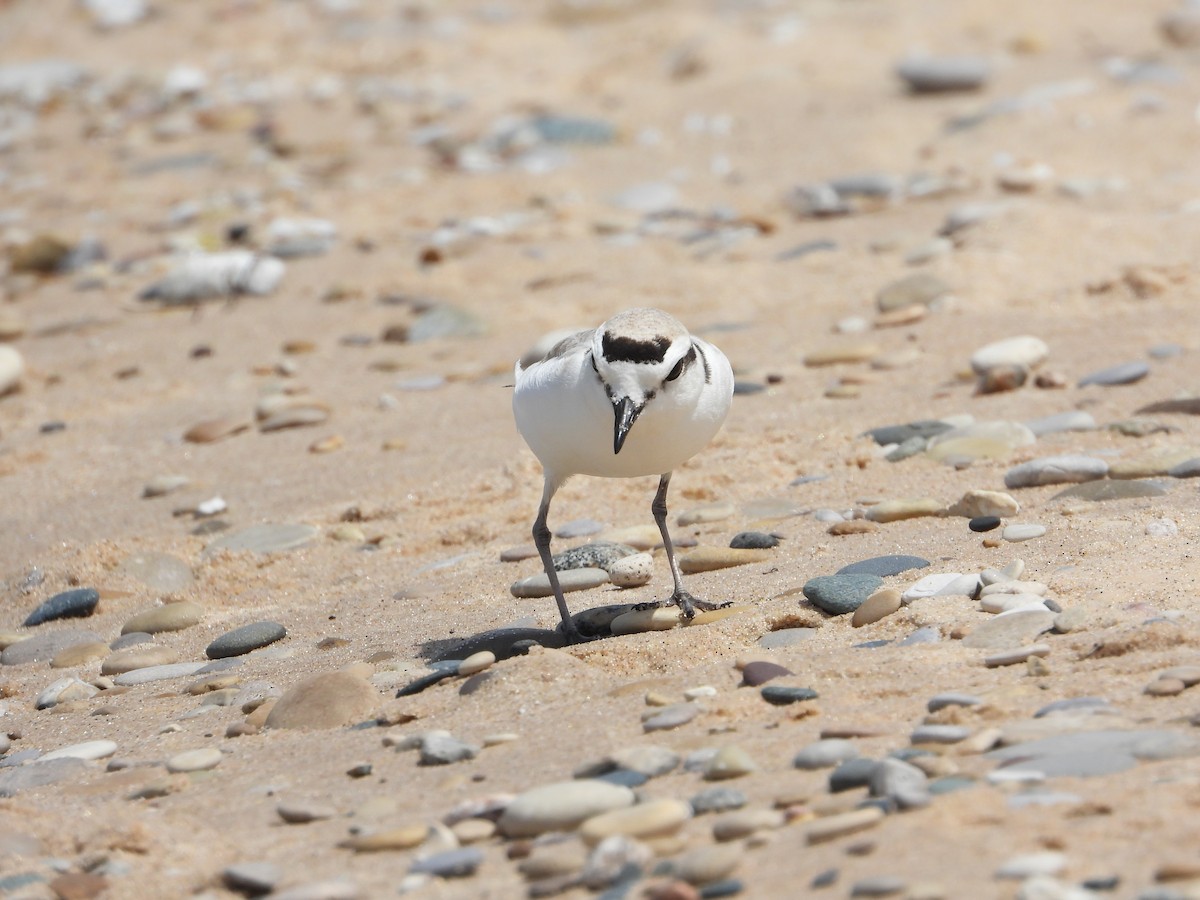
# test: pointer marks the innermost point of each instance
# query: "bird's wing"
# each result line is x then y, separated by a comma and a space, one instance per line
580, 340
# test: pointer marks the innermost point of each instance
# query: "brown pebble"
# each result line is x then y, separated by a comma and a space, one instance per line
78, 886
215, 429
1177, 870
327, 444
241, 729
762, 671
904, 315
672, 890
879, 605
853, 526
1165, 687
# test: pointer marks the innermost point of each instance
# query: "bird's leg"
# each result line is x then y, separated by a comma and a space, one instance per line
541, 539
681, 598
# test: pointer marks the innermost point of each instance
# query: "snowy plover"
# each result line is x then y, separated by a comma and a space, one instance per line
577, 408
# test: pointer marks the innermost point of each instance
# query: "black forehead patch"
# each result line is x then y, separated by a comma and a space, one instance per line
626, 349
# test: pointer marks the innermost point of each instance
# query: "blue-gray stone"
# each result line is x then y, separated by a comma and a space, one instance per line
1075, 705
929, 634
785, 637
457, 863
717, 799
1187, 469
951, 698
950, 783
12, 883
45, 646
1165, 351
425, 681
558, 129
782, 695
883, 566
753, 540
1125, 373
898, 434
853, 773
242, 640
726, 887
840, 594
623, 777
1089, 753
75, 604
745, 388
899, 781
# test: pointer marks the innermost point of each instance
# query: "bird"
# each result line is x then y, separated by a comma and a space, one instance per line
636, 396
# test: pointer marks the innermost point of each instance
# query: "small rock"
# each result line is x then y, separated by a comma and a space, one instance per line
672, 716
245, 639
884, 566
1026, 352
825, 754
840, 594
708, 559
899, 510
632, 571
729, 762
785, 695
1126, 373
1022, 532
536, 586
252, 877
977, 503
753, 540
878, 606
89, 750
327, 700
78, 603
649, 819
926, 75
561, 806
921, 288
140, 656
164, 618
1056, 470
1016, 655
200, 760
832, 827
458, 863
12, 367
596, 555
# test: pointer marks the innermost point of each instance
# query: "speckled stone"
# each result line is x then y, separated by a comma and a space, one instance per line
596, 555
243, 640
74, 604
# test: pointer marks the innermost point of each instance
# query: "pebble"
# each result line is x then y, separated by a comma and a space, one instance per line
596, 555
1072, 420
245, 639
1090, 753
931, 585
1025, 351
403, 838
672, 716
708, 559
1125, 373
884, 566
1014, 534
300, 813
88, 750
840, 594
918, 289
200, 760
536, 586
473, 831
265, 538
899, 510
638, 621
76, 604
733, 826
705, 865
252, 878
899, 781
159, 571
12, 367
717, 799
1016, 655
561, 806
785, 695
825, 754
853, 352
879, 605
878, 886
649, 819
1104, 491
331, 889
939, 734
477, 662
211, 430
1187, 469
461, 862
291, 237
204, 276
141, 656
326, 700
632, 571
703, 515
928, 634
1002, 603
440, 749
649, 761
951, 698
729, 762
1010, 630
79, 654
157, 673
761, 671
852, 526
753, 540
1055, 470
836, 826
981, 524
928, 75
976, 503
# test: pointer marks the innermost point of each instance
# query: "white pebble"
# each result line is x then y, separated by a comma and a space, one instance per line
632, 571
1026, 350
12, 367
1162, 528
929, 585
194, 760
476, 662
1027, 532
86, 750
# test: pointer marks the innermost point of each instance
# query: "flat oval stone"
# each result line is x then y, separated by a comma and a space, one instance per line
899, 510
140, 656
939, 734
86, 750
832, 827
853, 352
299, 813
477, 662
825, 754
1158, 462
840, 594
1015, 655
785, 695
159, 571
561, 806
1125, 373
157, 673
951, 698
1055, 470
1071, 420
702, 515
536, 586
928, 75
708, 559
651, 819
252, 878
461, 862
717, 799
265, 538
977, 503
1010, 629
919, 289
1103, 491
669, 717
761, 671
878, 606
981, 524
729, 762
753, 540
1000, 603
76, 604
79, 654
245, 639
1022, 532
194, 760
632, 571
707, 865
167, 617
1025, 351
596, 555
742, 823
326, 700
883, 566
637, 621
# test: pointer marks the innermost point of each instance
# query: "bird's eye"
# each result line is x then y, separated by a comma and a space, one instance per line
677, 371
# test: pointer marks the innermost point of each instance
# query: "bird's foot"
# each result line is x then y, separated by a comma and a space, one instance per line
687, 604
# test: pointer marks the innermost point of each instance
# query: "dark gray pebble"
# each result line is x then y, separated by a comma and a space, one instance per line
1126, 373
853, 773
753, 540
506, 642
840, 594
1075, 705
898, 434
883, 566
1102, 883
782, 695
362, 770
450, 863
824, 879
718, 799
728, 887
984, 523
745, 388
425, 681
800, 250
624, 777
878, 886
931, 75
1187, 469
951, 698
74, 604
242, 640
762, 671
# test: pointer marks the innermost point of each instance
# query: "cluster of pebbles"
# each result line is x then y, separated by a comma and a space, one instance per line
182, 714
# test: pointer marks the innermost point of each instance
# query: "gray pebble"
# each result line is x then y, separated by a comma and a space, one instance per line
158, 673
1126, 373
898, 434
925, 75
785, 637
1071, 420
74, 604
899, 781
1187, 469
717, 799
538, 585
783, 695
753, 540
458, 863
252, 877
878, 886
951, 698
242, 640
1016, 655
939, 734
264, 538
840, 594
825, 753
1055, 470
131, 639
44, 647
884, 566
672, 716
440, 749
851, 774
1075, 705
1165, 351
1122, 489
928, 634
577, 528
